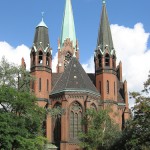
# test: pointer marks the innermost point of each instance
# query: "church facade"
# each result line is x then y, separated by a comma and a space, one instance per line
71, 88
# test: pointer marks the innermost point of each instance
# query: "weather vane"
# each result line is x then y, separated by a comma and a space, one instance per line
42, 15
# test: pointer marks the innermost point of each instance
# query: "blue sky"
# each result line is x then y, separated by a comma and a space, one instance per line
130, 25
19, 18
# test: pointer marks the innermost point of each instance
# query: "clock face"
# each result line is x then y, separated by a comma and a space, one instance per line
67, 59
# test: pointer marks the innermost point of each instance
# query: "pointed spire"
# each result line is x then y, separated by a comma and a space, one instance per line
42, 23
104, 35
68, 27
41, 37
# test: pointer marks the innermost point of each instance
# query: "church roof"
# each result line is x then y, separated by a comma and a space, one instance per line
68, 27
42, 24
104, 35
41, 37
74, 79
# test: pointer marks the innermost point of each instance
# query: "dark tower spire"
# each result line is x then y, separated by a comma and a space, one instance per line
41, 59
104, 36
41, 69
41, 37
108, 77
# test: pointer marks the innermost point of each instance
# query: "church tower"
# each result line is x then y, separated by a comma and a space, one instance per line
67, 44
109, 77
105, 60
41, 59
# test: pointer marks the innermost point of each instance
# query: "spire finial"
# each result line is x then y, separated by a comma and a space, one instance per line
104, 1
42, 15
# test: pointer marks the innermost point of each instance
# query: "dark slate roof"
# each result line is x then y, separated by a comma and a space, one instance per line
120, 96
104, 35
92, 77
55, 77
41, 37
74, 79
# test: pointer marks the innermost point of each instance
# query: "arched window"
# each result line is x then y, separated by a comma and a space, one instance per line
67, 59
47, 59
57, 126
107, 86
40, 57
113, 61
75, 120
47, 85
100, 60
107, 60
33, 58
114, 88
40, 84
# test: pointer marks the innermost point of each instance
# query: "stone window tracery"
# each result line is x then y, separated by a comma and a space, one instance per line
68, 57
107, 86
75, 120
47, 59
107, 60
100, 60
113, 61
33, 58
40, 57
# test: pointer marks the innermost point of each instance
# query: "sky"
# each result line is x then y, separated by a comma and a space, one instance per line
129, 21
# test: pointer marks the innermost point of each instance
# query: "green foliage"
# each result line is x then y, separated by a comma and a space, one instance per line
14, 76
136, 135
100, 131
56, 112
21, 118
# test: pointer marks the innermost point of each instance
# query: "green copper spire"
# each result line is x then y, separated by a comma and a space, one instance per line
104, 35
68, 28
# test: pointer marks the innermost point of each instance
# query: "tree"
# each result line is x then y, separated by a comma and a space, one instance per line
136, 135
14, 76
21, 118
100, 131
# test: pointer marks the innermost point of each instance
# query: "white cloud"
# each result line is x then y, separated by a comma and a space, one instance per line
89, 66
14, 55
131, 49
54, 62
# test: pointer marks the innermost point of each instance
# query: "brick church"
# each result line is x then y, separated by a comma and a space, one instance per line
71, 88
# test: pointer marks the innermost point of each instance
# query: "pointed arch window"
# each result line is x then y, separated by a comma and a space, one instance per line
107, 60
68, 57
107, 86
40, 84
47, 85
40, 57
75, 120
100, 60
33, 58
113, 61
47, 59
57, 126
